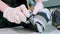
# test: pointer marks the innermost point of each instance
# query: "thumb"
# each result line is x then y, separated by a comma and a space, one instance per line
25, 10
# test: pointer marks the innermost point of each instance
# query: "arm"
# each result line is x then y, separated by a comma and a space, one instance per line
3, 6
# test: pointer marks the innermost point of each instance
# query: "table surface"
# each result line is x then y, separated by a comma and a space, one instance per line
51, 3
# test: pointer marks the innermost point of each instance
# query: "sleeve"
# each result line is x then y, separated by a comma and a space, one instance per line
14, 3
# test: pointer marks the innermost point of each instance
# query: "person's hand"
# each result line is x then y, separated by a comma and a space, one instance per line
38, 7
16, 15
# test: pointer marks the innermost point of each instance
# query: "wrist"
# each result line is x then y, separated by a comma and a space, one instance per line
3, 6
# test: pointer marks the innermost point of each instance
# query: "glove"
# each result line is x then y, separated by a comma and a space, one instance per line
16, 15
38, 7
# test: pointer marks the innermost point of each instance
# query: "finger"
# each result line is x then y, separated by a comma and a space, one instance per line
21, 15
16, 16
24, 10
11, 18
17, 19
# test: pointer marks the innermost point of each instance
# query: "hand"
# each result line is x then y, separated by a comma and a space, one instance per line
16, 15
38, 7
